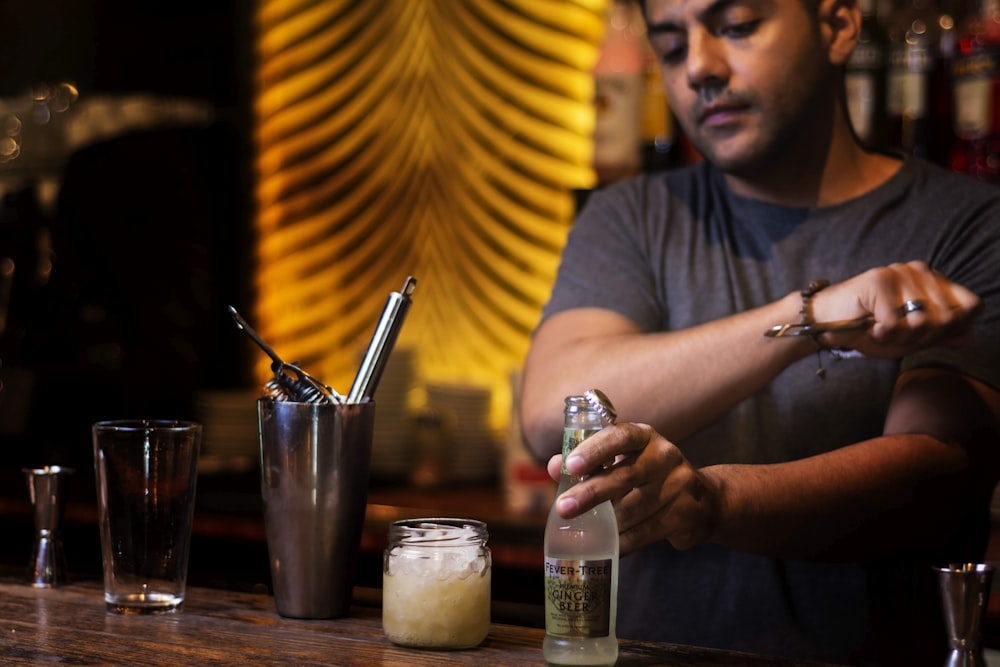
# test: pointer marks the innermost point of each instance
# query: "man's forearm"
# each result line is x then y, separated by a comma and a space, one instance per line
678, 381
886, 494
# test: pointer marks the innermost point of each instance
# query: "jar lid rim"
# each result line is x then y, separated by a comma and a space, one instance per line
440, 522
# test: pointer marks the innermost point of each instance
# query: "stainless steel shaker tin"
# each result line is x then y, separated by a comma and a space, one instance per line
315, 463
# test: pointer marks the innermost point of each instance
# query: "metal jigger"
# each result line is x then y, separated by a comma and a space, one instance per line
965, 592
48, 561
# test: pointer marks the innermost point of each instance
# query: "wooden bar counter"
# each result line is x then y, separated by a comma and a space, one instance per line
69, 625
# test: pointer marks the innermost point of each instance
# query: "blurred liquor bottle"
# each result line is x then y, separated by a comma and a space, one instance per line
865, 79
917, 80
619, 85
942, 86
664, 144
659, 147
976, 80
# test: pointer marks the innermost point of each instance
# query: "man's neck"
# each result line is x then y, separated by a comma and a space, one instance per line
846, 171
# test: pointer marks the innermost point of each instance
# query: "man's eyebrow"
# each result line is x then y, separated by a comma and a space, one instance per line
672, 26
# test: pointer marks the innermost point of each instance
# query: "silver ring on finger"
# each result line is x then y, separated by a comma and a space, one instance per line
911, 306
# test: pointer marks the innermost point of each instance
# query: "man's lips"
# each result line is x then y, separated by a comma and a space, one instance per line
720, 114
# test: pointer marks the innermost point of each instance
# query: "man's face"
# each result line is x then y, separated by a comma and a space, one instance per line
746, 78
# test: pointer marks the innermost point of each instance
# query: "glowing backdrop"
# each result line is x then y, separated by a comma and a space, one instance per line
434, 138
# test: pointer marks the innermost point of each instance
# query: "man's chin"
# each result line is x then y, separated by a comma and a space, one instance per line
739, 156
736, 163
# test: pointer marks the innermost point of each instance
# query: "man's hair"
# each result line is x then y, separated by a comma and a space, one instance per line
809, 4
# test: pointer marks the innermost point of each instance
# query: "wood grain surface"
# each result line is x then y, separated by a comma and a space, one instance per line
70, 626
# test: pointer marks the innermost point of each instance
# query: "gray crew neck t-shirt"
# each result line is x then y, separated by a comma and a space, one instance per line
678, 249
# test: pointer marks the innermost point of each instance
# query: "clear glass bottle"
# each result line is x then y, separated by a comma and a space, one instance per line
436, 579
659, 130
581, 560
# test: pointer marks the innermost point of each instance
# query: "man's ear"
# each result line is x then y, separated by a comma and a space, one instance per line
840, 25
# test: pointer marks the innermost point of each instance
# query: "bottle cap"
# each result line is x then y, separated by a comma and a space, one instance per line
600, 402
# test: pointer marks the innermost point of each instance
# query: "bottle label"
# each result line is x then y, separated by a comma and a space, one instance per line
974, 89
906, 94
861, 103
907, 80
866, 56
915, 58
578, 597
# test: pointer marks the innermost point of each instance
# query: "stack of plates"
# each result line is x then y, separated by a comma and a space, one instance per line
229, 429
471, 448
392, 440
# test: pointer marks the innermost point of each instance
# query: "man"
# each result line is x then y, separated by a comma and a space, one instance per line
786, 495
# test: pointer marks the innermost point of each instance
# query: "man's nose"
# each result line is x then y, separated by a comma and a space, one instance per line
706, 59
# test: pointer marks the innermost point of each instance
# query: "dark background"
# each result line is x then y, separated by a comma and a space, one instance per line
189, 48
151, 234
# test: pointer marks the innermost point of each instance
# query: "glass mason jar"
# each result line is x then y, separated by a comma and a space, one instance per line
436, 583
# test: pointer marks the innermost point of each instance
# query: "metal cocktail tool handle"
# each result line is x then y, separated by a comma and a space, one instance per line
965, 593
48, 560
382, 342
290, 382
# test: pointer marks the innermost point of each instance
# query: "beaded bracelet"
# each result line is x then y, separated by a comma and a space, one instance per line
807, 319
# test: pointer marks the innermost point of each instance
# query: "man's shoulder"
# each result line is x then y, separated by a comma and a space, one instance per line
694, 176
687, 183
930, 179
